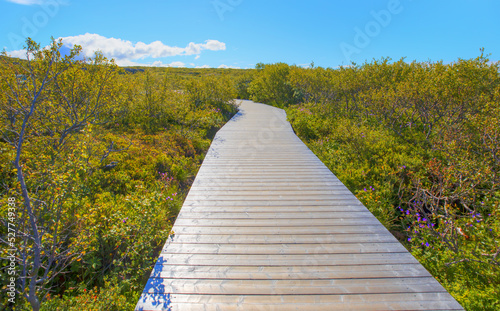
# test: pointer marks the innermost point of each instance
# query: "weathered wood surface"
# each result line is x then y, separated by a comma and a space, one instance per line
266, 226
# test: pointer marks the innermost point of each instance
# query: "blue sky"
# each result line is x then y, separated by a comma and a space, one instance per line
241, 33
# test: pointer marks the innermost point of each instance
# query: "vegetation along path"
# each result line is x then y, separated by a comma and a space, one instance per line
266, 226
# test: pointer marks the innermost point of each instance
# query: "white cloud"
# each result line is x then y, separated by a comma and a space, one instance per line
122, 62
129, 63
226, 67
220, 67
40, 2
18, 53
158, 63
122, 50
26, 2
176, 64
214, 45
172, 64
127, 53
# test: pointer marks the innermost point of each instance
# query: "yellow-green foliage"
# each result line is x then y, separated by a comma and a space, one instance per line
271, 85
419, 145
106, 183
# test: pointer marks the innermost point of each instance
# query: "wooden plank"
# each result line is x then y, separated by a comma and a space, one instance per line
266, 192
273, 215
279, 209
361, 302
273, 203
286, 222
260, 165
283, 249
276, 199
305, 299
257, 230
335, 195
220, 185
286, 260
294, 287
289, 169
289, 187
291, 272
282, 238
267, 179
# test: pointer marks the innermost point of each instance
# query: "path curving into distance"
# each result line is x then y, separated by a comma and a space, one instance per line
267, 226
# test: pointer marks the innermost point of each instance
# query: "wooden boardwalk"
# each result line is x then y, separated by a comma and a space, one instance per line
266, 226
